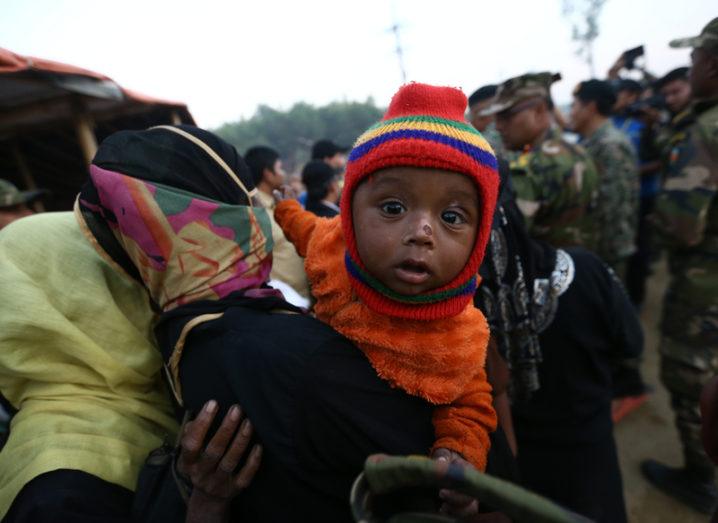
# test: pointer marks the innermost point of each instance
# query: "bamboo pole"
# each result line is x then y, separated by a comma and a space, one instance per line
86, 136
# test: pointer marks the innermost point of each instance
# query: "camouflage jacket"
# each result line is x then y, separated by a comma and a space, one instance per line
670, 134
616, 212
686, 221
556, 186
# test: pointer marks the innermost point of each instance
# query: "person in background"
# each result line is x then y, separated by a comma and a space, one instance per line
268, 175
485, 124
332, 154
628, 92
617, 205
556, 182
655, 149
15, 204
295, 182
560, 319
616, 210
675, 87
686, 224
322, 188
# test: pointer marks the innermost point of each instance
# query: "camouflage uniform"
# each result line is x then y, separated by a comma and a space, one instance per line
616, 213
556, 182
686, 221
556, 185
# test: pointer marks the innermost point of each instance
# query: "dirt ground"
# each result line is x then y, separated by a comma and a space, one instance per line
649, 431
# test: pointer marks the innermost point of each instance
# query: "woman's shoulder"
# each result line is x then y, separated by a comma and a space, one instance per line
594, 281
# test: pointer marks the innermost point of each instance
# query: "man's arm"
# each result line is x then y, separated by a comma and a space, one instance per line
689, 190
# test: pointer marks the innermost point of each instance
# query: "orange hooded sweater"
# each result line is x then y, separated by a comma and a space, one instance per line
441, 360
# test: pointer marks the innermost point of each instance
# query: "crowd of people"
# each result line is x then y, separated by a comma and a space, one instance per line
462, 283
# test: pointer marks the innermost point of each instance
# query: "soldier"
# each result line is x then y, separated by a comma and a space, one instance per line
555, 181
686, 220
617, 207
478, 102
675, 87
14, 204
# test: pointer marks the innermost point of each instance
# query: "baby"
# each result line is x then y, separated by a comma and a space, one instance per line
397, 270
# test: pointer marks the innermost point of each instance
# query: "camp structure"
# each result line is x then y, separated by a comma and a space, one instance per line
53, 115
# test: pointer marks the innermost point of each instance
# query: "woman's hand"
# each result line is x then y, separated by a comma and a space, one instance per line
211, 469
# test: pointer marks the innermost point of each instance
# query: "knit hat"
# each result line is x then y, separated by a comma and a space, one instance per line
423, 127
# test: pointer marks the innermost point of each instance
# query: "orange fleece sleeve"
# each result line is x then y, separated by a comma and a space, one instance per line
464, 425
297, 224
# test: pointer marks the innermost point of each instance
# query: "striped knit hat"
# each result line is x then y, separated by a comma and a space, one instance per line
423, 127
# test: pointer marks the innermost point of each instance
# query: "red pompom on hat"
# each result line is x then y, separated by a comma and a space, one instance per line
424, 126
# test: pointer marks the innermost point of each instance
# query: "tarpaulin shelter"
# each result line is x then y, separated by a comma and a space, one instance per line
53, 115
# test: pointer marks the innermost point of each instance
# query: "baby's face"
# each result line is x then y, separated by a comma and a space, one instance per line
415, 228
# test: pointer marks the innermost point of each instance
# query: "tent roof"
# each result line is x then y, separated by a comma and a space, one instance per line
37, 92
49, 112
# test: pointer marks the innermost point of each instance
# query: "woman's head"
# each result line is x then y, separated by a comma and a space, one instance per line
426, 166
183, 157
172, 206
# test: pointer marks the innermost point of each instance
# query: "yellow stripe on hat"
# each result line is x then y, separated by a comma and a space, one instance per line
470, 137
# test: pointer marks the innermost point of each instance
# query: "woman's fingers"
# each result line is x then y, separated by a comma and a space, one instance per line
458, 504
211, 468
195, 432
246, 474
236, 450
215, 449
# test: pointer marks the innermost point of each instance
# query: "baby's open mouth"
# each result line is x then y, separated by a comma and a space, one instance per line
412, 271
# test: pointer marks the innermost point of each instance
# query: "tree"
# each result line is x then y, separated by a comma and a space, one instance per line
583, 15
293, 132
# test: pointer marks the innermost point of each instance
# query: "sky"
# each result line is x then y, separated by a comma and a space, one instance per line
224, 58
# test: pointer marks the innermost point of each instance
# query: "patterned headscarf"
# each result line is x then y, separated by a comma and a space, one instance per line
172, 208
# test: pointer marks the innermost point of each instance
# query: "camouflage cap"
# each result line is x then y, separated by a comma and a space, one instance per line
10, 195
515, 90
708, 39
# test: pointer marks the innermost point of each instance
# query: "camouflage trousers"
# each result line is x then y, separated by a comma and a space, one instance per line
685, 369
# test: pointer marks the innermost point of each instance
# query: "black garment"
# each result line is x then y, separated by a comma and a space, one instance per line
515, 291
639, 264
564, 431
316, 403
321, 209
70, 496
583, 478
561, 346
594, 325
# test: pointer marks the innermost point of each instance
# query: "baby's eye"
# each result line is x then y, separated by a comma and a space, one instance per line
392, 208
452, 217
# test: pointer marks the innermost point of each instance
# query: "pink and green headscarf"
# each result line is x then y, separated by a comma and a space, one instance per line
172, 207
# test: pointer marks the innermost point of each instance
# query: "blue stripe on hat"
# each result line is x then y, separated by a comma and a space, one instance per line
479, 155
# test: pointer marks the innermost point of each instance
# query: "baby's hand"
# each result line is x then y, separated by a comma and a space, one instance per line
285, 192
455, 503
